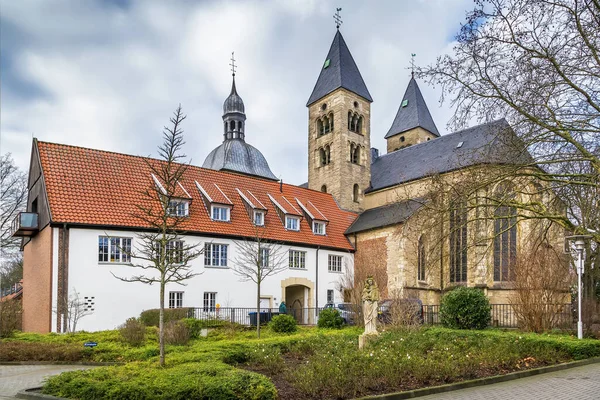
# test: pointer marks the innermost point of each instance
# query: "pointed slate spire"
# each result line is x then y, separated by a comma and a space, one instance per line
413, 112
339, 71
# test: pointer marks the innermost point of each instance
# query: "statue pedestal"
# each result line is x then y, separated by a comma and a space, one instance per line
363, 339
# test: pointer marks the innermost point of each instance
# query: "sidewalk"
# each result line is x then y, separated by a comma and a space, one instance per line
14, 378
581, 383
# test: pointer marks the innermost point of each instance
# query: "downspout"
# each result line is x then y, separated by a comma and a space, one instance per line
317, 279
442, 257
65, 290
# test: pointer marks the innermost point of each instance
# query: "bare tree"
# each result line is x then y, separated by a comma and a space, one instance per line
256, 259
537, 64
13, 199
74, 308
161, 255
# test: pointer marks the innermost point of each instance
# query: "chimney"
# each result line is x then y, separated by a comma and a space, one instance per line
281, 185
374, 154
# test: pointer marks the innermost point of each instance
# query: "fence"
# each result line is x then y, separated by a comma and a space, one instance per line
503, 315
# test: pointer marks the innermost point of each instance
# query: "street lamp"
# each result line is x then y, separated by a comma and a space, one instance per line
579, 241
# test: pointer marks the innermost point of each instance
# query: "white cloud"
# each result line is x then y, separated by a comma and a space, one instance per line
109, 77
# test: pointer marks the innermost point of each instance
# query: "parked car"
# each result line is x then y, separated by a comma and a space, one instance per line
402, 311
347, 311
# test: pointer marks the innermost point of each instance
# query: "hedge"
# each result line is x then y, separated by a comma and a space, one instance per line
151, 317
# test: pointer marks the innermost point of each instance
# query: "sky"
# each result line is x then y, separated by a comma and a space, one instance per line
108, 74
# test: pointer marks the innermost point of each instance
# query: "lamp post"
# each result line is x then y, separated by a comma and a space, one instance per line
579, 241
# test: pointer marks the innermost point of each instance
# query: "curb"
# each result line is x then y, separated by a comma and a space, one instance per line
481, 382
32, 394
89, 363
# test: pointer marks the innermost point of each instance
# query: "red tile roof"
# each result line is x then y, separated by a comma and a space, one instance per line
94, 187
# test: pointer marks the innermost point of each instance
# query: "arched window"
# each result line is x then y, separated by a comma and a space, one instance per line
505, 233
320, 129
355, 193
324, 188
327, 154
421, 259
458, 242
326, 125
349, 120
359, 125
322, 156
355, 155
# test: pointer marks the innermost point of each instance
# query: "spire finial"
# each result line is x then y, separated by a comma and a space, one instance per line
412, 64
233, 66
338, 18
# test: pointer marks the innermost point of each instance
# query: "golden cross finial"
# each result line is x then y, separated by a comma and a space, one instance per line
233, 66
337, 17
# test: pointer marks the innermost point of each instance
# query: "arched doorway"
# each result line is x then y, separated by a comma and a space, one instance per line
297, 294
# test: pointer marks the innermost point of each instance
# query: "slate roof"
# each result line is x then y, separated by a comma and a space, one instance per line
103, 189
414, 114
384, 216
237, 155
491, 143
341, 72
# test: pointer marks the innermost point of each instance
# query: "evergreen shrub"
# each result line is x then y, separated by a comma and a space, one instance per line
283, 324
330, 318
465, 308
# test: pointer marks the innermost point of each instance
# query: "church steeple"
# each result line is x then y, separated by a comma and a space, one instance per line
234, 116
339, 71
413, 123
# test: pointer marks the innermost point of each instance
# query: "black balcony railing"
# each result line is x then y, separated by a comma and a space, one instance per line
25, 224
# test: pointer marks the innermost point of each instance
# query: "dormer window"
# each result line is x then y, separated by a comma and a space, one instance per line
178, 208
259, 218
292, 223
318, 228
220, 213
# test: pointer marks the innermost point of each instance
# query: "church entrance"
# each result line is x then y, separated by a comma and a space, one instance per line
297, 294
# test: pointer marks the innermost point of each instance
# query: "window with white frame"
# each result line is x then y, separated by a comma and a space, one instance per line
259, 218
297, 259
335, 263
175, 252
114, 249
215, 255
292, 223
318, 228
175, 299
210, 301
220, 213
330, 297
178, 208
263, 256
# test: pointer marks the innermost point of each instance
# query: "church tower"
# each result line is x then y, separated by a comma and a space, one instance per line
339, 129
413, 123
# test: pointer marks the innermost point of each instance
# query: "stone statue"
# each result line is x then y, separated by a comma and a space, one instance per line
370, 298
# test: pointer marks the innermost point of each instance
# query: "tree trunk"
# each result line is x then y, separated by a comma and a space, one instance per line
258, 310
161, 325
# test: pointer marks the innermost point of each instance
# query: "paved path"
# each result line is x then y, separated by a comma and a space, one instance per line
581, 383
14, 378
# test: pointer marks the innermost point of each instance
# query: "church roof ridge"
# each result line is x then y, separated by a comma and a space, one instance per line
339, 71
412, 112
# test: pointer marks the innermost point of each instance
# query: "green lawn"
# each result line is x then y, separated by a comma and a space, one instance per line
312, 363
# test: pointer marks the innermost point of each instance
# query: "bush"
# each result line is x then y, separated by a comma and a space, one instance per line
177, 333
465, 308
330, 318
194, 326
10, 317
151, 317
28, 351
133, 332
283, 324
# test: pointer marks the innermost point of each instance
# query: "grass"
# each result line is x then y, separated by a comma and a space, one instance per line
312, 363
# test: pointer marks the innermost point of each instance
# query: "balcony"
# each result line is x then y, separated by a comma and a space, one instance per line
25, 224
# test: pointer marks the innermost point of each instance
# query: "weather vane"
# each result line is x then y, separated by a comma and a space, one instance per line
337, 17
412, 64
233, 66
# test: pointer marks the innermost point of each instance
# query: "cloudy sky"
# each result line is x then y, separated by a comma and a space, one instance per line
108, 74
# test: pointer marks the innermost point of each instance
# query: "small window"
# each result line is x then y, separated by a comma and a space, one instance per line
356, 104
263, 256
355, 193
210, 301
297, 259
114, 249
330, 298
324, 106
259, 218
334, 264
402, 138
404, 103
324, 188
421, 260
318, 228
215, 255
292, 223
175, 299
220, 213
327, 62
